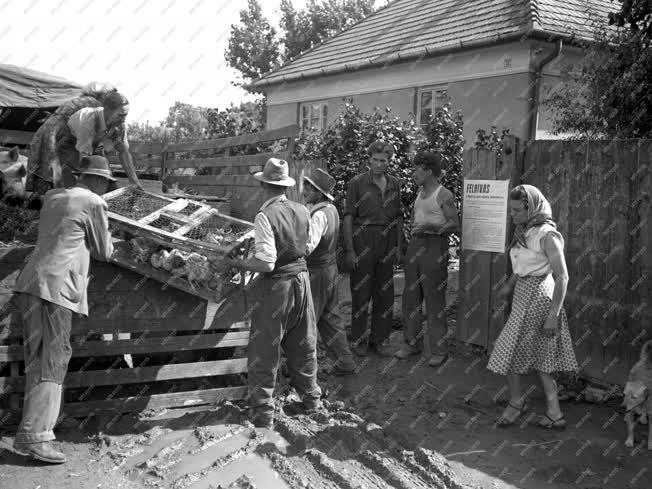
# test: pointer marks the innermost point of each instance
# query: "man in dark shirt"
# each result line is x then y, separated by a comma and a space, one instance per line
373, 237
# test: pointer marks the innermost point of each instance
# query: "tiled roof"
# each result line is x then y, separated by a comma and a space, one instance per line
408, 29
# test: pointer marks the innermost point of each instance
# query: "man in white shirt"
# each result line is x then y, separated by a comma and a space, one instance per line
283, 316
434, 216
322, 265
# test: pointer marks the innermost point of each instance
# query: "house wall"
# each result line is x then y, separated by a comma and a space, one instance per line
489, 86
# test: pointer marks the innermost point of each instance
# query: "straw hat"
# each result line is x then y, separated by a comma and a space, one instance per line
323, 182
276, 172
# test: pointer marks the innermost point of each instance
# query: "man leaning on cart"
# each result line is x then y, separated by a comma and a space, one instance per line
52, 286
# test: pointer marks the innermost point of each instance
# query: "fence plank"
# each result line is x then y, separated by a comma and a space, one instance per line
475, 266
156, 401
258, 137
10, 137
509, 167
138, 375
226, 161
14, 353
213, 180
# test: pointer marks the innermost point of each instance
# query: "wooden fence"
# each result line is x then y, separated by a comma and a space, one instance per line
175, 338
600, 195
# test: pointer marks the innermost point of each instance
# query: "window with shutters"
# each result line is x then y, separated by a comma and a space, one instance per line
314, 116
429, 99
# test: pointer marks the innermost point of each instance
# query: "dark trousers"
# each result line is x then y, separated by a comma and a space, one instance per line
373, 282
46, 336
426, 274
324, 283
282, 318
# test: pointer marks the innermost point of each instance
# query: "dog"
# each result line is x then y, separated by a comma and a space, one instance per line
638, 395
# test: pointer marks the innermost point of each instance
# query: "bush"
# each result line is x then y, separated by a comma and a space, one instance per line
343, 145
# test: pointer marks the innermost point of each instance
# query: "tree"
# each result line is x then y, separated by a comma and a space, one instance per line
253, 48
610, 96
187, 121
318, 21
637, 14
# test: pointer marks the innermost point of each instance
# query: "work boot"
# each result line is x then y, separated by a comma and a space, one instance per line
43, 451
345, 366
407, 351
313, 405
360, 349
381, 350
262, 418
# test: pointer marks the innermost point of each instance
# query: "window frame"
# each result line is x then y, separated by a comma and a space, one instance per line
433, 106
322, 116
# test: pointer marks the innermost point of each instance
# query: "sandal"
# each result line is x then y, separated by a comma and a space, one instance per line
548, 423
503, 422
438, 359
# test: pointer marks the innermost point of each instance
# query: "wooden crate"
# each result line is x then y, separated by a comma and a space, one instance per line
141, 213
166, 321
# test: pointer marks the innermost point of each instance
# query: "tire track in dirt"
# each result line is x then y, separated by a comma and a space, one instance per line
324, 450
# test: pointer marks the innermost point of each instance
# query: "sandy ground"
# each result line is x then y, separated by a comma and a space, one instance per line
384, 428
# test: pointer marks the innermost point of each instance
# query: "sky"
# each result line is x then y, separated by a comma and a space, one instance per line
156, 52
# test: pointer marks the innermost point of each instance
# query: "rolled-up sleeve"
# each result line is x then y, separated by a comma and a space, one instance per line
351, 207
318, 227
82, 126
97, 232
265, 244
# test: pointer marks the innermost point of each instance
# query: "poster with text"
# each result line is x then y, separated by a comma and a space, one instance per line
484, 216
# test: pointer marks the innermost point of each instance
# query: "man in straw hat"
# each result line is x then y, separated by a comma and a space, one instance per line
51, 288
322, 264
284, 316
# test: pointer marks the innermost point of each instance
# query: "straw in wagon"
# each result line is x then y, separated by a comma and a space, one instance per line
49, 290
284, 316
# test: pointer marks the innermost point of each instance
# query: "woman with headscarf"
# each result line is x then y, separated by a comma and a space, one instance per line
536, 335
79, 128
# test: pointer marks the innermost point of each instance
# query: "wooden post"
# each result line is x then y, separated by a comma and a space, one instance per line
508, 167
164, 157
480, 317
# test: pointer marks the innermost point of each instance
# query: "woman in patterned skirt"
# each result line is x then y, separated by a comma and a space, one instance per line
536, 335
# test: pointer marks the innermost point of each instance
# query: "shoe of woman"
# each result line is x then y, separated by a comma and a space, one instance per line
504, 421
548, 422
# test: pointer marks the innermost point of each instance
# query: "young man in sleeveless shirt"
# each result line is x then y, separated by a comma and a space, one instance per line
283, 315
434, 215
322, 265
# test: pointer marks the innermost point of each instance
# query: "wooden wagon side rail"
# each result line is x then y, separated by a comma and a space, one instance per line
206, 340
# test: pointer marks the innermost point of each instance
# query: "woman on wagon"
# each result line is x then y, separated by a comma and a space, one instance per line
80, 127
536, 335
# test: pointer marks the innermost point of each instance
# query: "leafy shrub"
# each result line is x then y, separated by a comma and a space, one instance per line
343, 145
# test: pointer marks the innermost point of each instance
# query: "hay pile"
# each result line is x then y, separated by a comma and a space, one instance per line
17, 225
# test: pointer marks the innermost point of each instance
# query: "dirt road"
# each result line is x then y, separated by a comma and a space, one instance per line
218, 448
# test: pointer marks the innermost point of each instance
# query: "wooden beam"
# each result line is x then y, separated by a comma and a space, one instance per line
212, 180
226, 161
257, 137
138, 375
8, 136
137, 346
157, 401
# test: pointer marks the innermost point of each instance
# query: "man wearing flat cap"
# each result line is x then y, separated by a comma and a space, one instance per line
283, 316
322, 265
50, 289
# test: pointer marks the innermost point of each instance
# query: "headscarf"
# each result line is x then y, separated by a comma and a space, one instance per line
539, 212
